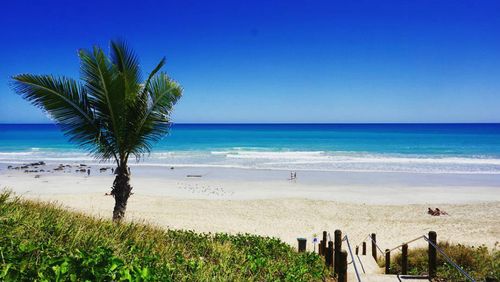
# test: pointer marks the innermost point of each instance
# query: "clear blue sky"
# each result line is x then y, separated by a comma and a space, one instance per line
277, 61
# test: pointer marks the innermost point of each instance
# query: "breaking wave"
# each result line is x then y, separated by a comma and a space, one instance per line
251, 158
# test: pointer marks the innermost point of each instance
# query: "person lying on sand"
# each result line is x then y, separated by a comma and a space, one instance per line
432, 212
436, 212
440, 212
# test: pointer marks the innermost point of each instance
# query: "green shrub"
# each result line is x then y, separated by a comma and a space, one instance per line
42, 242
479, 262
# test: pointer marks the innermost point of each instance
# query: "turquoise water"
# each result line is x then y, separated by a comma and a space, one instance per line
427, 148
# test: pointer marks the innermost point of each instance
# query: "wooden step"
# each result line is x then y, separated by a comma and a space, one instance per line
373, 278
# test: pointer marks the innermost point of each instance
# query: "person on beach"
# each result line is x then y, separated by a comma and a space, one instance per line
432, 212
88, 172
440, 212
436, 212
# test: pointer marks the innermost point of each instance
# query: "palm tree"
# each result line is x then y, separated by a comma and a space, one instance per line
112, 112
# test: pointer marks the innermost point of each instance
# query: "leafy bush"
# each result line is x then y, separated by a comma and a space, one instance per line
42, 242
479, 262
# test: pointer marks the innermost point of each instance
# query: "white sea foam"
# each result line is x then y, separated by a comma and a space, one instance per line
244, 158
6, 154
291, 155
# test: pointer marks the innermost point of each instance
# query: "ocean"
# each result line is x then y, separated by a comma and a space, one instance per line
413, 148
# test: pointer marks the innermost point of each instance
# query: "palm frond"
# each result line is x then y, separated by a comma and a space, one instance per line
152, 74
106, 93
67, 103
127, 64
153, 122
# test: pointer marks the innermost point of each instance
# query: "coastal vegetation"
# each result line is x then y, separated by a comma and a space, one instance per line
480, 262
42, 242
112, 112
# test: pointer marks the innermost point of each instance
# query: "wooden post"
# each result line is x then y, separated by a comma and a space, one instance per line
323, 244
320, 248
432, 254
329, 255
374, 246
357, 250
338, 249
404, 260
364, 249
387, 261
302, 244
342, 274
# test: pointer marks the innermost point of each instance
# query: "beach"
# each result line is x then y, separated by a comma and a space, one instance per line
235, 140
266, 202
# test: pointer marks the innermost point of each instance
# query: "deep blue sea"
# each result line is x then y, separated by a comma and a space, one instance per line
419, 148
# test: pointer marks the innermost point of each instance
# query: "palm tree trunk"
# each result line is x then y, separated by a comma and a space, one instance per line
121, 192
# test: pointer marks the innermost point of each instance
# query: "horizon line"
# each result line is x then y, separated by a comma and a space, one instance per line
283, 123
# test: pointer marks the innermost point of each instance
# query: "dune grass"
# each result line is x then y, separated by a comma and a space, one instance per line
479, 262
43, 242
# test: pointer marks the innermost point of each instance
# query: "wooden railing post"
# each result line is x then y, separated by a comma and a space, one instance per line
337, 251
374, 246
387, 261
302, 244
364, 249
342, 274
320, 248
404, 260
357, 250
432, 254
323, 244
329, 254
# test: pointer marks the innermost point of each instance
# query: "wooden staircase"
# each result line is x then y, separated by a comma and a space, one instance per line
363, 267
370, 271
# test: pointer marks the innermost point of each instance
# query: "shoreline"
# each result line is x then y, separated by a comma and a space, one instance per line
245, 184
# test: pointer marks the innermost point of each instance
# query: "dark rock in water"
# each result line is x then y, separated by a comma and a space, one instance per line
26, 171
103, 169
37, 176
9, 167
83, 165
42, 170
24, 166
171, 167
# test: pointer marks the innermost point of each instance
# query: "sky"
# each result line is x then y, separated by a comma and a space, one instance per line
276, 61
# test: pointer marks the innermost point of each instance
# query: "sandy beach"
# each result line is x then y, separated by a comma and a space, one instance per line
265, 202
